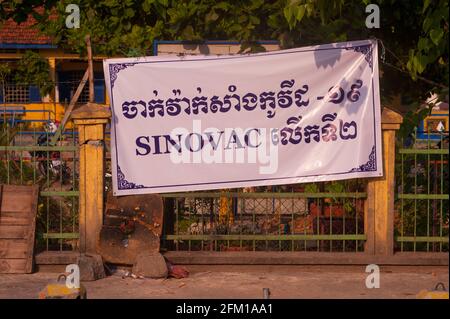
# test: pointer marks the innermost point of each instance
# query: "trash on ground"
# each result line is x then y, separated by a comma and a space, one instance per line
176, 271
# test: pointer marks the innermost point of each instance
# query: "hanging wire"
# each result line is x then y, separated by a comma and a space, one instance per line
403, 67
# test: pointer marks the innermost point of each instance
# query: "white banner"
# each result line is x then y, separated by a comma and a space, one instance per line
208, 122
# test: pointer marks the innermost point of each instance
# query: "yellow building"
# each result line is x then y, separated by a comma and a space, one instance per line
22, 102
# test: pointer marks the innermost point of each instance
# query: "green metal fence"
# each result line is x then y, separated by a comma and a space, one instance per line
421, 206
25, 161
264, 221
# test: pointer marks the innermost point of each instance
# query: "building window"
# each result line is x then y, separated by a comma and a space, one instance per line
73, 79
68, 84
18, 93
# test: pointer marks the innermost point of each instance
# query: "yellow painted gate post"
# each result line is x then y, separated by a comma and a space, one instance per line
91, 120
379, 208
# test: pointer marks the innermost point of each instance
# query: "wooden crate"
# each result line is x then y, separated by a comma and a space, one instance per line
18, 207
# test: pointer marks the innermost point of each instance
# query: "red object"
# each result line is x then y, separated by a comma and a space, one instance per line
177, 272
127, 227
335, 211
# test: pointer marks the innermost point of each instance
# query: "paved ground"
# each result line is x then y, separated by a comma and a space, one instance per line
248, 282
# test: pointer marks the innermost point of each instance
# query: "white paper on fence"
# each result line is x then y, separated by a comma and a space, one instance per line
314, 112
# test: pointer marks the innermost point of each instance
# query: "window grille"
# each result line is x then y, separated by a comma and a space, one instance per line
16, 93
73, 80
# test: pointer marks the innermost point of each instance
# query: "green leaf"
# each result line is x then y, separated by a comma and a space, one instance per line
146, 5
419, 62
273, 21
300, 13
164, 2
256, 4
188, 33
222, 5
427, 22
293, 13
422, 44
242, 19
211, 16
309, 9
426, 3
129, 13
436, 36
287, 11
234, 28
311, 188
254, 20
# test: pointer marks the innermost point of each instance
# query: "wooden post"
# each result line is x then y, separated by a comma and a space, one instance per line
379, 206
88, 74
91, 120
69, 109
90, 68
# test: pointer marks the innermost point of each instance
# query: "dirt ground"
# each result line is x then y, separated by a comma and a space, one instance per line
248, 282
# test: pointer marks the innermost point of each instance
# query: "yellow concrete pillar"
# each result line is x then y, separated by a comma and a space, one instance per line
52, 97
52, 65
91, 120
379, 207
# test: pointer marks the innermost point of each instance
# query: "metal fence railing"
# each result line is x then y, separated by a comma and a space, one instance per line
267, 219
27, 158
422, 201
264, 221
13, 116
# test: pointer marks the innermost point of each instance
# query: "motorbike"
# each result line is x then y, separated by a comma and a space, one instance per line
50, 163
